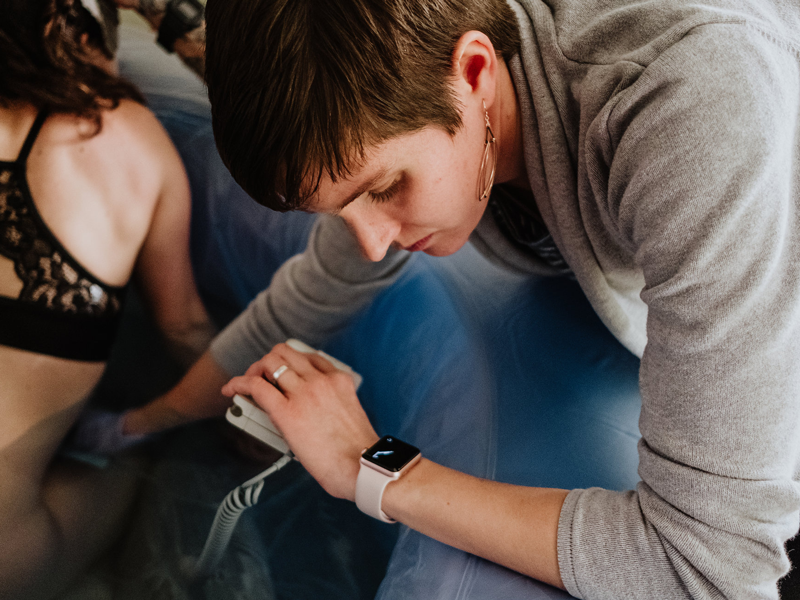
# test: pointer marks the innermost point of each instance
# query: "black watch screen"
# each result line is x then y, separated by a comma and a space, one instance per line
390, 453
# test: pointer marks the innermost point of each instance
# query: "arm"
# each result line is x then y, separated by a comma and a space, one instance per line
163, 268
701, 186
321, 418
518, 524
196, 396
311, 297
190, 48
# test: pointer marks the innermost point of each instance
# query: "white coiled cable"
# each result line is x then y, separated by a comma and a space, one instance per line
228, 513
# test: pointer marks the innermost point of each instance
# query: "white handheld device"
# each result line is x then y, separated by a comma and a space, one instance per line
248, 417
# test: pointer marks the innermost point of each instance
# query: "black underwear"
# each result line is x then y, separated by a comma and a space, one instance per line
62, 309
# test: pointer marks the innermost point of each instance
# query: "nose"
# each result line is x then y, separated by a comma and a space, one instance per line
374, 230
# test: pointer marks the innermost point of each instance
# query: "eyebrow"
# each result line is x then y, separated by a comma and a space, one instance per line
363, 188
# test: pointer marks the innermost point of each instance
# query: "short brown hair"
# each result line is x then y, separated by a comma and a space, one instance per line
43, 60
299, 88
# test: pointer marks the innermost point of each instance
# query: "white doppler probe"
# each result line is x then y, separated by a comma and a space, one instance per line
248, 417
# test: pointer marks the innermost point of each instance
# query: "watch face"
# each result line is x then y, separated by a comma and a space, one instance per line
390, 453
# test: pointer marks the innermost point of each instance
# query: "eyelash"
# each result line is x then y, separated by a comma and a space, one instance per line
385, 195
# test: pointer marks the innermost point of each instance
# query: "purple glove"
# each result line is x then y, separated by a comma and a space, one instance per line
100, 431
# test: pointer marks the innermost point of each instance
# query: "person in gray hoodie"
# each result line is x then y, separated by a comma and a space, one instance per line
649, 150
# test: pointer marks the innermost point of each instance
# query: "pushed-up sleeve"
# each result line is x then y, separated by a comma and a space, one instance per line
311, 297
704, 187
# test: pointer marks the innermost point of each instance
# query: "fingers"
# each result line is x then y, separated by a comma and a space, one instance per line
299, 364
321, 363
315, 406
285, 378
261, 391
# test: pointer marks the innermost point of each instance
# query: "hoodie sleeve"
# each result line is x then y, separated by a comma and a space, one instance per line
704, 186
311, 297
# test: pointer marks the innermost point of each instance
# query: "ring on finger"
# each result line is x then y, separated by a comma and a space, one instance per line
280, 371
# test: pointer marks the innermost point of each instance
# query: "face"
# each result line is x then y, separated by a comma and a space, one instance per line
416, 192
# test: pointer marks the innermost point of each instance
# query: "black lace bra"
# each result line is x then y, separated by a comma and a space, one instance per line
62, 309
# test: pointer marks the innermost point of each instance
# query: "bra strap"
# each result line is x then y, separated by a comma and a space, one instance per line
32, 135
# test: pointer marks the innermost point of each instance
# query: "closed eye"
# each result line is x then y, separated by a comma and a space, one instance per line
387, 194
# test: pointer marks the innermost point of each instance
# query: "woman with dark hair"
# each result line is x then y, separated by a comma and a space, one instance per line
92, 192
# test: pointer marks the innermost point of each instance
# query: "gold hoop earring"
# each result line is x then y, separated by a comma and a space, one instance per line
485, 182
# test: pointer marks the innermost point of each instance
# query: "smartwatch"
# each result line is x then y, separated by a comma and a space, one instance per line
381, 464
182, 16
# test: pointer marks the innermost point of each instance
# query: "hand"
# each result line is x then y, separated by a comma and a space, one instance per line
316, 408
101, 431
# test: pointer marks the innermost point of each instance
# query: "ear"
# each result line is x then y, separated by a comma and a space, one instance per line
475, 67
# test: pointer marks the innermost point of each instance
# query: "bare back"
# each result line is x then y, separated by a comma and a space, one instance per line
97, 194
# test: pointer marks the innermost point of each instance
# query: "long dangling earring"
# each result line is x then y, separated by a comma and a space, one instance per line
485, 181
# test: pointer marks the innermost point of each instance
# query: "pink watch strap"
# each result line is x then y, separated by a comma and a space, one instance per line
369, 492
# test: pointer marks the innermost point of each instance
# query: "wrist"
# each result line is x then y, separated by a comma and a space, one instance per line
354, 465
403, 498
382, 464
152, 418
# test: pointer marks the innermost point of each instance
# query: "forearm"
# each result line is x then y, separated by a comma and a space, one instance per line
322, 420
196, 396
511, 525
191, 337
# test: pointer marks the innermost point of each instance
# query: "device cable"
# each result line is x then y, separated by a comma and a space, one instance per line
228, 513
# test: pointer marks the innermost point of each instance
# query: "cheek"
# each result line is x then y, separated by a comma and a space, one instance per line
442, 188
455, 183
442, 203
467, 161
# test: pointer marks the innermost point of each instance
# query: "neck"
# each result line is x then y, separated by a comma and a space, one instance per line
507, 126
